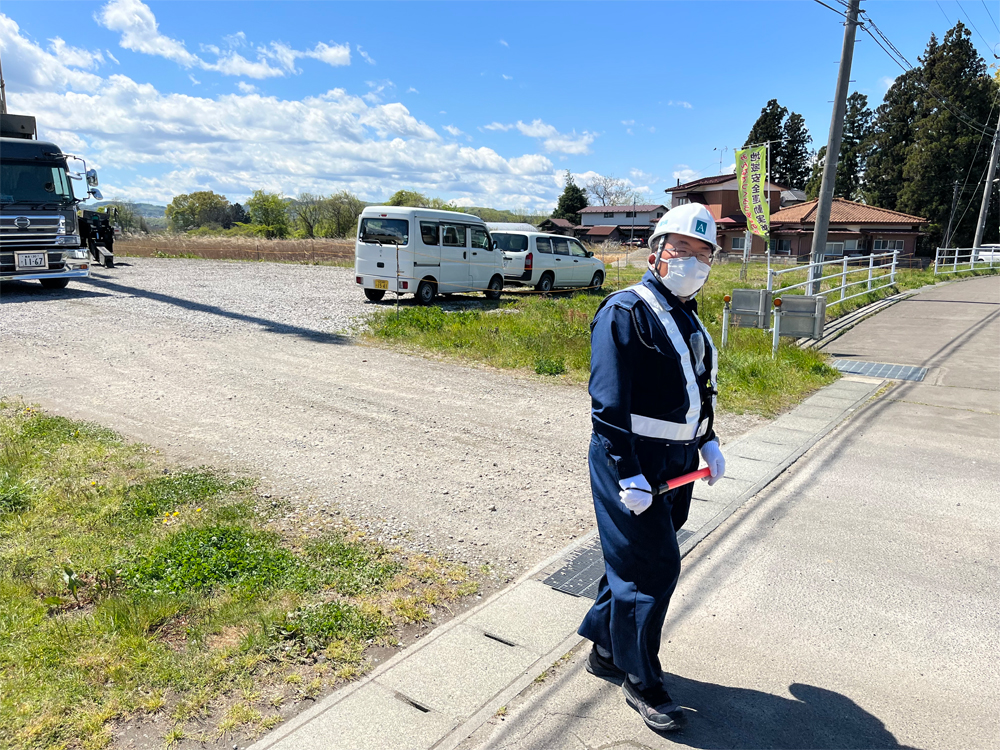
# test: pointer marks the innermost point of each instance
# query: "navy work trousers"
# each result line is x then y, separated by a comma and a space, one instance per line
642, 563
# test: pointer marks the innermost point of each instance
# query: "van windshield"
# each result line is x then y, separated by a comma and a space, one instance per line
385, 231
511, 243
34, 183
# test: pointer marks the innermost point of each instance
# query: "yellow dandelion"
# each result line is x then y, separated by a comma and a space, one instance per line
197, 510
176, 513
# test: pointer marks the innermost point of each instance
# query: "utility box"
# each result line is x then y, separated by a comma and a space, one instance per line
803, 316
751, 308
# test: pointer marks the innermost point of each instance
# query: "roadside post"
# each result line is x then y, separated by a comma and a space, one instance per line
776, 329
725, 320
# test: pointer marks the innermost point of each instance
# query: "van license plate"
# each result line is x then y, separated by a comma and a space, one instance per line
31, 260
381, 284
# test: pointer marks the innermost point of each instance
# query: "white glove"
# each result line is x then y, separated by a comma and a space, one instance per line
716, 463
636, 493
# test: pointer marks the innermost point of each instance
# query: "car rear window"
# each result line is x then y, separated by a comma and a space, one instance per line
385, 231
511, 243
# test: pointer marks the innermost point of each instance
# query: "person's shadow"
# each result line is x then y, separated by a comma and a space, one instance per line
731, 717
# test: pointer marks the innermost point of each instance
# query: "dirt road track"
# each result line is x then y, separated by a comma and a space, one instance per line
241, 365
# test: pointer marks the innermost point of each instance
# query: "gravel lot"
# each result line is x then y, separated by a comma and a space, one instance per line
251, 366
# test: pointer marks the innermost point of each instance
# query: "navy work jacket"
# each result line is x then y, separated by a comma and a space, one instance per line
653, 372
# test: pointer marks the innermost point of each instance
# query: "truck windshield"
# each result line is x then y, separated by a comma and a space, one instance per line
385, 231
34, 183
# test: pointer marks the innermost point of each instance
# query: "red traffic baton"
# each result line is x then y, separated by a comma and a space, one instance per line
673, 484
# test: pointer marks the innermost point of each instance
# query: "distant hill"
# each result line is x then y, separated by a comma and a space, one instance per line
147, 210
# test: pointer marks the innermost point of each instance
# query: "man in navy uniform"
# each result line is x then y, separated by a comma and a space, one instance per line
653, 386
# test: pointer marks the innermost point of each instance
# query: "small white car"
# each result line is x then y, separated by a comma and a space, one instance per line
984, 254
547, 261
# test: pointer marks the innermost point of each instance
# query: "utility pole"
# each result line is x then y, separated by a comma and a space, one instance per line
985, 207
833, 147
3, 93
954, 202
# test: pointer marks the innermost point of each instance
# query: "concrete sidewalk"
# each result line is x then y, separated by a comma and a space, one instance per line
853, 602
445, 687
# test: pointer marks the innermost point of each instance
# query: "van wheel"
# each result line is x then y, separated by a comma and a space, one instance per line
545, 283
598, 281
54, 283
426, 292
495, 287
374, 295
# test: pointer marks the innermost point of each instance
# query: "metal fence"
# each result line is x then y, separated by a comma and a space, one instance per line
867, 273
959, 259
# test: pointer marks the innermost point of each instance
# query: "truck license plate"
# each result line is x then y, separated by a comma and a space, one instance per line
31, 260
381, 284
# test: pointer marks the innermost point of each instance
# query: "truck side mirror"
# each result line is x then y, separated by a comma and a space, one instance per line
92, 178
96, 193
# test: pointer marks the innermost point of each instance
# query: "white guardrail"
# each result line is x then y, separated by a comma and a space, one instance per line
881, 273
959, 259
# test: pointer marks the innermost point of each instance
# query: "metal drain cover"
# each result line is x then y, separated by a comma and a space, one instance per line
582, 572
880, 369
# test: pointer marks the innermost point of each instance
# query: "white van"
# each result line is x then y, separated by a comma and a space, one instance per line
423, 252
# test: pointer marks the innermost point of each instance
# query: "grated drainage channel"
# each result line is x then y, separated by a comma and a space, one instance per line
880, 370
582, 572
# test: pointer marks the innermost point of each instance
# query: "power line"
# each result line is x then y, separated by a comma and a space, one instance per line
843, 15
942, 12
988, 46
975, 154
986, 7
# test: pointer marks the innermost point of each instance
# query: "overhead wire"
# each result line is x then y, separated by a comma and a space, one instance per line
986, 7
969, 18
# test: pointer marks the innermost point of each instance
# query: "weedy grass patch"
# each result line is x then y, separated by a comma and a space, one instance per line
131, 588
550, 334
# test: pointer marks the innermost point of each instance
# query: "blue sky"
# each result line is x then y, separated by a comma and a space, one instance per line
483, 103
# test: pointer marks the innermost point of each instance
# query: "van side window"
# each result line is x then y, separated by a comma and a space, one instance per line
480, 239
429, 232
543, 244
512, 243
454, 235
575, 248
560, 246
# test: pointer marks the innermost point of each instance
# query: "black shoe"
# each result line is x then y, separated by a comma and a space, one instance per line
655, 707
604, 668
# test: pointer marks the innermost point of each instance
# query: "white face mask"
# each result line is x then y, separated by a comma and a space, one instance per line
685, 276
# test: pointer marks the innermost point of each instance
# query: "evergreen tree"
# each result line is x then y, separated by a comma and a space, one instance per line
854, 145
890, 139
793, 167
956, 97
768, 128
571, 202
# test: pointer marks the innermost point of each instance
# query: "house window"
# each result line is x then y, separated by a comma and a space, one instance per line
781, 246
630, 214
739, 243
851, 247
887, 245
609, 214
834, 248
659, 214
681, 201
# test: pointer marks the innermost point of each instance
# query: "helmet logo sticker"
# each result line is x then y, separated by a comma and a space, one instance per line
700, 227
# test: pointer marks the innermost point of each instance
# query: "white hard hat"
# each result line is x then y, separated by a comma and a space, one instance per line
691, 219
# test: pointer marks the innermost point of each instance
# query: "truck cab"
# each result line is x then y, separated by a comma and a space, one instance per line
39, 227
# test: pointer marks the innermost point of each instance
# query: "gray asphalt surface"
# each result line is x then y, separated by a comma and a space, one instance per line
853, 603
244, 365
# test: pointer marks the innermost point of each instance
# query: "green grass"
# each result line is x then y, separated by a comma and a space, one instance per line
130, 587
550, 335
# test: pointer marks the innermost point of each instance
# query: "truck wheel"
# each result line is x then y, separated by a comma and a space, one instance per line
374, 295
597, 281
496, 286
426, 292
545, 283
54, 283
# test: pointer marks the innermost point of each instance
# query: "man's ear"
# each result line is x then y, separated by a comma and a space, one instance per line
651, 259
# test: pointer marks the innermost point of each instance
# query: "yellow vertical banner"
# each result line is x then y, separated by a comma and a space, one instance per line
750, 172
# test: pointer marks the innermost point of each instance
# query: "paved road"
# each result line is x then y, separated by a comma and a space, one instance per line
852, 604
242, 364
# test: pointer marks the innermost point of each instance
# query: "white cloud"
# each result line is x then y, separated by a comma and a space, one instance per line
365, 56
152, 144
731, 169
412, 90
686, 105
246, 88
554, 141
453, 130
638, 174
75, 57
628, 123
504, 43
684, 173
377, 87
194, 80
140, 32
507, 77
497, 126
886, 82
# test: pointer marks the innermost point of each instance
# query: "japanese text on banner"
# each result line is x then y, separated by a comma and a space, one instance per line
750, 172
